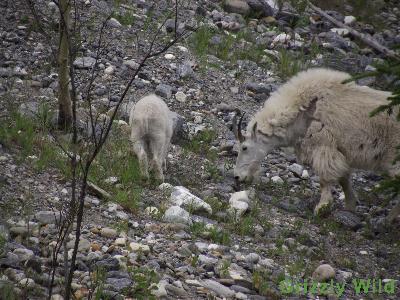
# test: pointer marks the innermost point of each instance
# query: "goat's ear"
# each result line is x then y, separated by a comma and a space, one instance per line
254, 131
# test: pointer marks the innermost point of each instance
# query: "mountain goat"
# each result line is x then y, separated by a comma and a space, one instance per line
328, 124
151, 131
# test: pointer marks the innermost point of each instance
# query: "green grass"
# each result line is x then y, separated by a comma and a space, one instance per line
127, 18
216, 204
233, 47
116, 159
213, 234
145, 281
31, 137
7, 291
98, 278
3, 242
201, 143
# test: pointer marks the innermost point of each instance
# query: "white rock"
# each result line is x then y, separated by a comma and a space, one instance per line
176, 214
120, 241
344, 275
114, 23
122, 215
296, 169
111, 180
240, 196
108, 232
169, 56
323, 273
363, 252
193, 282
183, 49
268, 263
276, 179
160, 292
27, 282
23, 254
341, 31
348, 20
238, 208
131, 64
305, 174
152, 211
112, 207
47, 217
165, 187
86, 62
180, 96
109, 70
252, 258
182, 197
201, 246
281, 38
136, 247
198, 119
218, 288
207, 260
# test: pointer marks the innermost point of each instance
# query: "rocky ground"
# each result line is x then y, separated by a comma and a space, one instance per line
181, 239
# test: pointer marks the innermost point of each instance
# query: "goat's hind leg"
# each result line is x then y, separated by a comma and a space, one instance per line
140, 149
394, 213
157, 149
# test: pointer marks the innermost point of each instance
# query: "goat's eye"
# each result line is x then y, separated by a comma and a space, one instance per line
244, 148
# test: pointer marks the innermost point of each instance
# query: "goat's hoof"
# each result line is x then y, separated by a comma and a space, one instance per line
322, 209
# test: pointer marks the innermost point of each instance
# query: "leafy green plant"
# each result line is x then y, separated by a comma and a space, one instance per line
200, 40
121, 226
125, 19
224, 270
145, 281
98, 278
220, 236
3, 242
7, 291
200, 143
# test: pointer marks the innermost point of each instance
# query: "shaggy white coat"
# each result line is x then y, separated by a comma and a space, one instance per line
328, 124
151, 131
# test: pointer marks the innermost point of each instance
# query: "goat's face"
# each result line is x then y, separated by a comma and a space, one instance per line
253, 148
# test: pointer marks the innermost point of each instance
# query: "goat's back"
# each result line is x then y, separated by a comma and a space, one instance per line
151, 116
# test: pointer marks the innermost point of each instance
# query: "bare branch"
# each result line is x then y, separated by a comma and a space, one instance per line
363, 37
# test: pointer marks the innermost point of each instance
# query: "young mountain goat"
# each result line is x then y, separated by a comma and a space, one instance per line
328, 124
151, 131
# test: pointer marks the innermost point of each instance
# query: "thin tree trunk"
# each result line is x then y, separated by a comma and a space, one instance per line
64, 99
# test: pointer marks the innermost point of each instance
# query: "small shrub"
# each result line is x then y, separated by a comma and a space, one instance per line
145, 281
200, 143
7, 291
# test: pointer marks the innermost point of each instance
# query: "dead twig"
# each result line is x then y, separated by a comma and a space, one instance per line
361, 36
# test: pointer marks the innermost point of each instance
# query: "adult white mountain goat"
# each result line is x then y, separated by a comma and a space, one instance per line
151, 130
328, 124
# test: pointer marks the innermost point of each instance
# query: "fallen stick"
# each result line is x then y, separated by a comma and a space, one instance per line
363, 37
97, 191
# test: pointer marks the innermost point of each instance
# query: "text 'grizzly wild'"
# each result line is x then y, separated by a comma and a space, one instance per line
328, 124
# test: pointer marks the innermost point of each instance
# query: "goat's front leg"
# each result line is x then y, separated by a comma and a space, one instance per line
350, 197
326, 197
